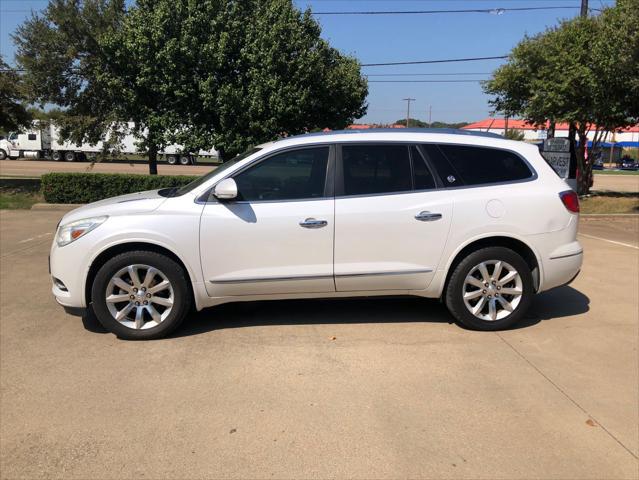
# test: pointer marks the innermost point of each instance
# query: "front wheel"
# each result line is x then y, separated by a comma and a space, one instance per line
3, 154
490, 289
141, 295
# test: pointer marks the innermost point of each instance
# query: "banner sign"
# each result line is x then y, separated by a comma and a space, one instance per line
557, 154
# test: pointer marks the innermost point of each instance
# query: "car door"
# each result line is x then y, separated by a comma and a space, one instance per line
391, 221
277, 236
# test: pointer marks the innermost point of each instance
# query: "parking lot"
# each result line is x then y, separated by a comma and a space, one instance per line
366, 388
36, 168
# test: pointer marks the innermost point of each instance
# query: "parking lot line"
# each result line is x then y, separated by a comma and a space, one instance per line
609, 241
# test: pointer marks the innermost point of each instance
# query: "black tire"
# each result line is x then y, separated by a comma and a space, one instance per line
3, 154
453, 295
184, 160
171, 160
56, 155
69, 156
174, 273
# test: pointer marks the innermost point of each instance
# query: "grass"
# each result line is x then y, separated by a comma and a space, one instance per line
616, 172
610, 203
18, 200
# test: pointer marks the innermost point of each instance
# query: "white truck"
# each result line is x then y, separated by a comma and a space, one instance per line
43, 142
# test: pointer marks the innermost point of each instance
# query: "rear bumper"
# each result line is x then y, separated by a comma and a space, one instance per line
563, 266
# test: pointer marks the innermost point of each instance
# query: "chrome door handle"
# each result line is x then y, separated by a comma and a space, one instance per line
428, 216
312, 223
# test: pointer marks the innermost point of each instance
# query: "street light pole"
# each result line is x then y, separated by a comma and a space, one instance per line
408, 100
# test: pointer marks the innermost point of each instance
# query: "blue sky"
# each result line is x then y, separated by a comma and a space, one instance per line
390, 38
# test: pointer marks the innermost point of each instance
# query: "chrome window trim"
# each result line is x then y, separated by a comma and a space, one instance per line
335, 165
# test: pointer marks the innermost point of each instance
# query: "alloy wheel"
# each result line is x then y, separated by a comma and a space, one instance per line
492, 290
139, 296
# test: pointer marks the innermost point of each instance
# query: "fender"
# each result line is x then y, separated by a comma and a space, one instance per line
451, 258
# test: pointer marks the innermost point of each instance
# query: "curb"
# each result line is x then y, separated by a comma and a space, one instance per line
55, 206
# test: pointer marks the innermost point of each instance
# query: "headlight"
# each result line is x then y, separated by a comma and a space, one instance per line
72, 231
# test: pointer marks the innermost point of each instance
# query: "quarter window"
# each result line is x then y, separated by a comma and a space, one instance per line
292, 175
370, 169
477, 165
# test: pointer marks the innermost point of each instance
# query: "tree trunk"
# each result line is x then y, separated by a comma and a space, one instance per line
551, 129
153, 160
584, 166
224, 155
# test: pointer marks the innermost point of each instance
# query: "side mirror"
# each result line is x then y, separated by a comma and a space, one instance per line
226, 189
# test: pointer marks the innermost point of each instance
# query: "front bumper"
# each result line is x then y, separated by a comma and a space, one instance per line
68, 267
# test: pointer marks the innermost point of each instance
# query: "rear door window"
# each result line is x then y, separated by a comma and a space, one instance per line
373, 169
422, 176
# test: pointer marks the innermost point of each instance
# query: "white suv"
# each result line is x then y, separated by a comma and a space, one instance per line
477, 221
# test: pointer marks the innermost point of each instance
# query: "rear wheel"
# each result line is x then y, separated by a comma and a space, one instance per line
69, 156
490, 289
184, 160
56, 155
141, 295
171, 159
3, 154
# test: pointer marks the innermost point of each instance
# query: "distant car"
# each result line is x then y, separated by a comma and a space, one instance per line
628, 163
480, 222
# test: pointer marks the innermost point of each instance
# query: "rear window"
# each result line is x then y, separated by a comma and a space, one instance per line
479, 165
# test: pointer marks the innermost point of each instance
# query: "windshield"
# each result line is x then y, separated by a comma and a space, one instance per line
176, 192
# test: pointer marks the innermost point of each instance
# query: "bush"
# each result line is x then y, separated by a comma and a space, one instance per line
91, 187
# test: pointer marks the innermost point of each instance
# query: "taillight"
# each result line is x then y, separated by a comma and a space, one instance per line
570, 200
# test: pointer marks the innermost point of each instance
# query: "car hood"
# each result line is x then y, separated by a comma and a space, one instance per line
132, 203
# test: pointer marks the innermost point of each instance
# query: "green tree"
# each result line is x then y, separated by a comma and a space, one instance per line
13, 113
414, 123
61, 52
579, 72
512, 134
203, 73
262, 71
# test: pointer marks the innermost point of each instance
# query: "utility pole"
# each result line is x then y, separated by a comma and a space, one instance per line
584, 8
430, 115
408, 100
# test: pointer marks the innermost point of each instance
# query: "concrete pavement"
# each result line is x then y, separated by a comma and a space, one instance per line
264, 391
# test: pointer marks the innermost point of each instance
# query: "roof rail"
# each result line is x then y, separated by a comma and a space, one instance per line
443, 131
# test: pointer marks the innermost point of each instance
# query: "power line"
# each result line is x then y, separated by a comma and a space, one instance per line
424, 74
494, 11
448, 60
426, 81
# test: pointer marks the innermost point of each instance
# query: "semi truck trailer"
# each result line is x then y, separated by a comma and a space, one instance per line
44, 142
